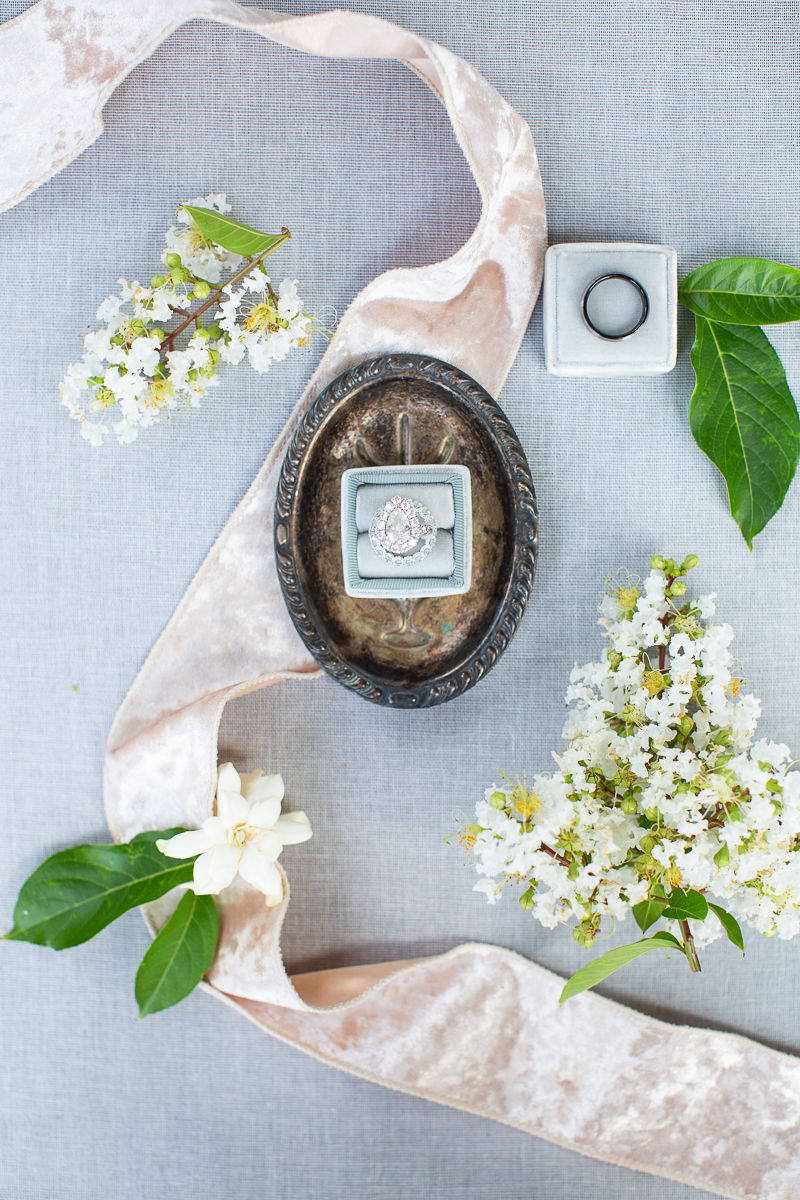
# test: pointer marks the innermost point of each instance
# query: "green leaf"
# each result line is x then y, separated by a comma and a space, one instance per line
742, 415
596, 971
648, 911
179, 956
76, 893
685, 906
233, 235
743, 291
730, 925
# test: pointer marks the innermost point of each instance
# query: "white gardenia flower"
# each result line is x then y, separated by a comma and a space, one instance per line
246, 836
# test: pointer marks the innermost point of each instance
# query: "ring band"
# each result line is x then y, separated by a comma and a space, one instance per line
615, 337
398, 528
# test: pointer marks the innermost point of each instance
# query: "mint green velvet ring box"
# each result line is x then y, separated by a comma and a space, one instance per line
443, 491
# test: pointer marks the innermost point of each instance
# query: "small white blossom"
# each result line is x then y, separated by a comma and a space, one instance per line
202, 256
126, 431
245, 837
92, 432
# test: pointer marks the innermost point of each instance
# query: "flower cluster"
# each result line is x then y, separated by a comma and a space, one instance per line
245, 837
199, 253
662, 799
133, 368
273, 324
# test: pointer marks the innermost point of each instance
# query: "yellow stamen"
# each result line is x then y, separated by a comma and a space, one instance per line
197, 239
627, 596
466, 838
262, 316
159, 393
654, 682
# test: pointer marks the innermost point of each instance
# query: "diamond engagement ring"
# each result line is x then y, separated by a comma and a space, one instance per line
402, 531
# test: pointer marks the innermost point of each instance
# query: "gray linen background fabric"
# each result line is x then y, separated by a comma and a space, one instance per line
667, 122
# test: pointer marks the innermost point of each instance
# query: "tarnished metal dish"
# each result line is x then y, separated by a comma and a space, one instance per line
402, 409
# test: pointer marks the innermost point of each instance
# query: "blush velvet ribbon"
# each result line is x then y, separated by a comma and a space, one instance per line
478, 1028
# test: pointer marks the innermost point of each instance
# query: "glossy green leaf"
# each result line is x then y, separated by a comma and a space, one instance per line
685, 906
598, 970
730, 925
233, 235
179, 956
647, 912
742, 415
743, 291
76, 893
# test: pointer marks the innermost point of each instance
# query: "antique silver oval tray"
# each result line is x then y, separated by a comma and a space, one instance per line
399, 409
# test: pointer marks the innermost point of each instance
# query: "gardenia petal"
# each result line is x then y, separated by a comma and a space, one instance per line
265, 787
232, 808
262, 873
215, 869
267, 843
185, 845
265, 814
246, 780
229, 779
293, 827
215, 828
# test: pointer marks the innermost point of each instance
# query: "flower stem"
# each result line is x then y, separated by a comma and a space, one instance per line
662, 660
553, 854
689, 948
169, 340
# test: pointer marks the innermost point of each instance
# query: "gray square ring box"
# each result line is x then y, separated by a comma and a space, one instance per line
406, 531
610, 308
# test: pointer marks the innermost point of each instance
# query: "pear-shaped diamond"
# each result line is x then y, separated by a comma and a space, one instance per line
398, 526
397, 529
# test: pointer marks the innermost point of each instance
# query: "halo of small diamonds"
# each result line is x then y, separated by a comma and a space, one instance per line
397, 529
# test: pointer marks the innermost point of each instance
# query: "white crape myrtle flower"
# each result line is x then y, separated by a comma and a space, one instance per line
92, 432
662, 792
274, 323
202, 256
245, 837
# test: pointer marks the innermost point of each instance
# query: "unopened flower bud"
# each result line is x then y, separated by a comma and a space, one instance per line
657, 562
201, 289
690, 562
498, 799
157, 281
172, 261
678, 588
722, 857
